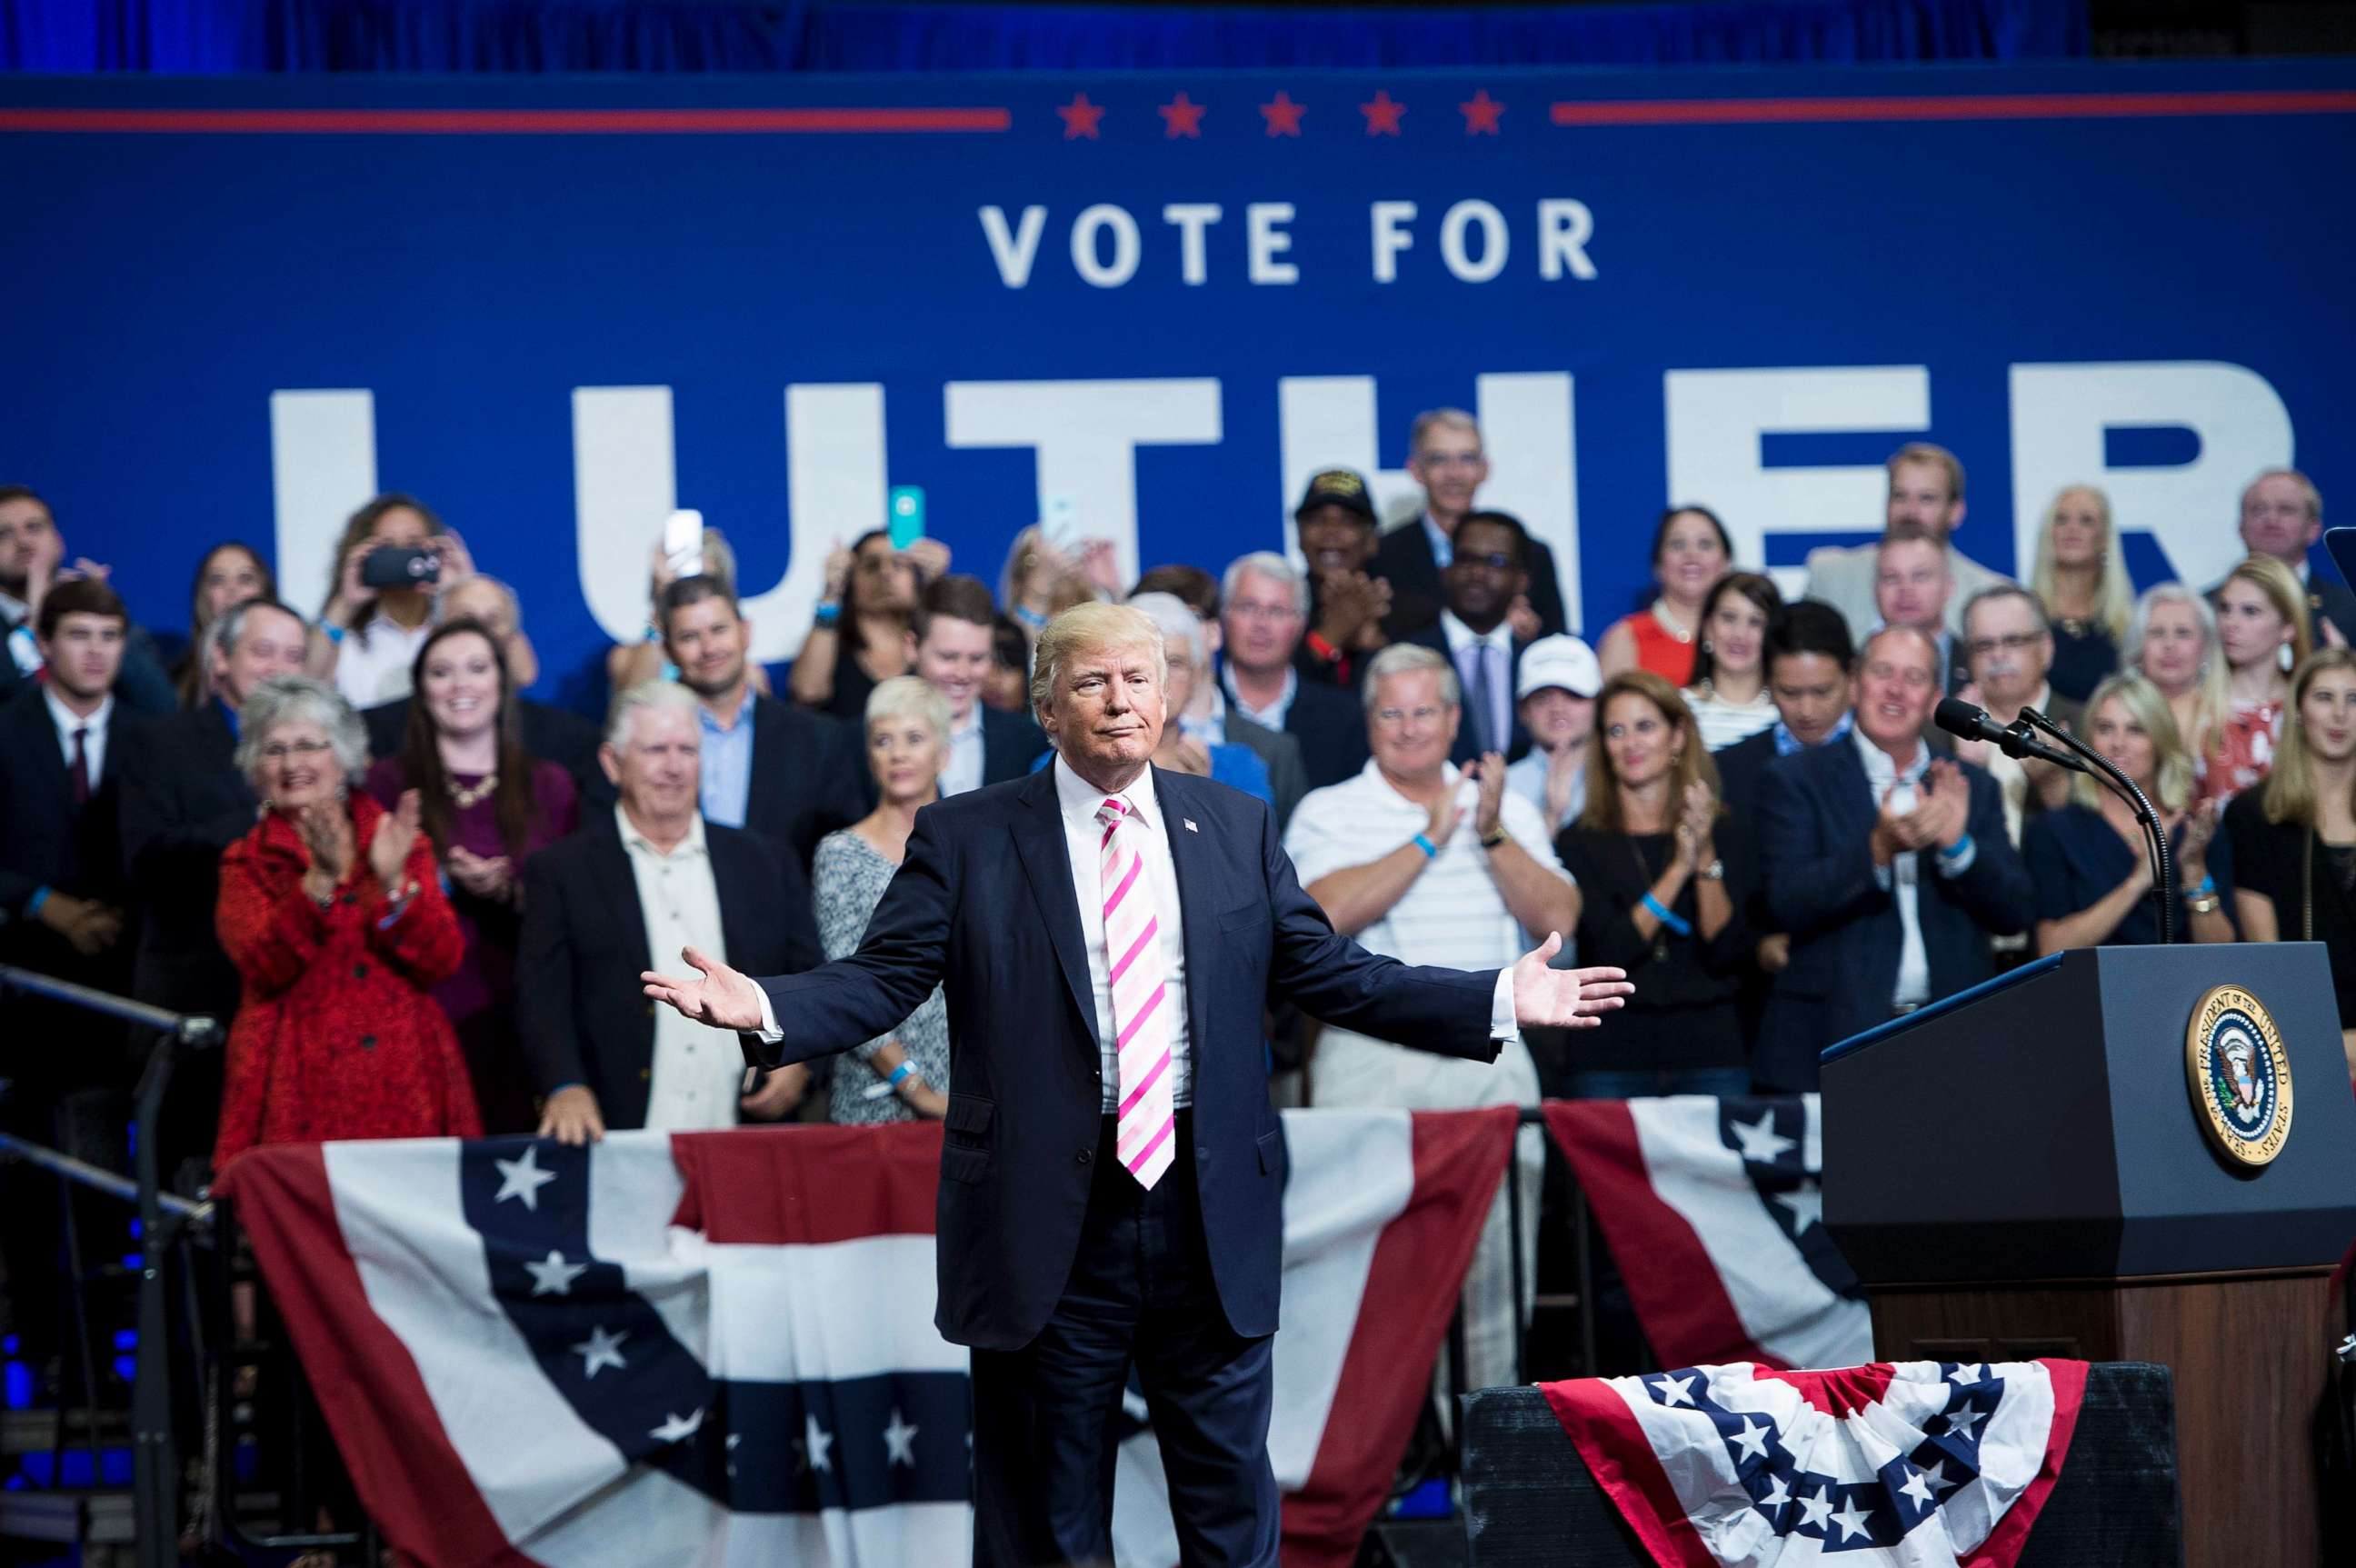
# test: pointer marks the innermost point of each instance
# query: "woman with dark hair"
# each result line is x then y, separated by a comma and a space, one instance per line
368, 637
231, 573
1665, 877
333, 914
484, 806
860, 635
1728, 693
1691, 551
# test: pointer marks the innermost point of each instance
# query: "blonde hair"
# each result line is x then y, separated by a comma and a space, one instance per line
1064, 594
1084, 628
2115, 593
909, 696
2209, 705
2281, 587
2171, 764
1937, 457
1601, 812
2289, 792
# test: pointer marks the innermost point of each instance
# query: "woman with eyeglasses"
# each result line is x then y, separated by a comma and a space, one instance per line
486, 806
2093, 876
1691, 551
2293, 837
334, 915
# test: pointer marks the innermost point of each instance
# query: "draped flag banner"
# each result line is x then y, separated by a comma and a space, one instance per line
1905, 1464
718, 1347
1713, 1211
556, 308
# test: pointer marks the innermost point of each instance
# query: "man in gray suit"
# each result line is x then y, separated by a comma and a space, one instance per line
1926, 490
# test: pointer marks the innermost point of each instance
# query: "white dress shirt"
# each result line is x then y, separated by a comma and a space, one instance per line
963, 770
93, 739
1902, 875
697, 1069
1077, 801
1498, 722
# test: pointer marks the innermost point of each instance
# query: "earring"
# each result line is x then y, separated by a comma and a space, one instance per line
1705, 645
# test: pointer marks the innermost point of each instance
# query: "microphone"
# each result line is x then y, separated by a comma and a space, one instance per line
1958, 717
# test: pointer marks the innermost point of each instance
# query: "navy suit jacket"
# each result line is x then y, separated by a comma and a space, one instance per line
1467, 747
984, 907
1816, 813
809, 776
183, 803
1404, 561
46, 841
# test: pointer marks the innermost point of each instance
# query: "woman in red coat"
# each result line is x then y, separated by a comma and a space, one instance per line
333, 916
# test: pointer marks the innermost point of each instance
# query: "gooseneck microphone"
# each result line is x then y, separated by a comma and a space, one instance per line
1960, 718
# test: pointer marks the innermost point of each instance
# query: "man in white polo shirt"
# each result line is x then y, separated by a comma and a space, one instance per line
1431, 865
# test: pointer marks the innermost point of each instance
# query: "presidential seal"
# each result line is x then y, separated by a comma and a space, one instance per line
2239, 1074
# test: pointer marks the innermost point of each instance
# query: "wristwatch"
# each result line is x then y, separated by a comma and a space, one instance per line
1494, 836
1714, 872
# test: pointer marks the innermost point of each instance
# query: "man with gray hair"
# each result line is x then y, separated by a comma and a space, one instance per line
639, 881
1446, 458
1106, 935
2282, 516
1433, 865
1263, 609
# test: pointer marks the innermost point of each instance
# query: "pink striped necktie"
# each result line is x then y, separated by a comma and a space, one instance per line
1140, 1010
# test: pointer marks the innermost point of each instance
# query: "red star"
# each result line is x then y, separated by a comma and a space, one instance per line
1283, 116
1481, 115
1182, 117
1382, 115
1080, 117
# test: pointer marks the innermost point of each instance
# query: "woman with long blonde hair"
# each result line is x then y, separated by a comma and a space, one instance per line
2094, 878
2262, 629
2081, 577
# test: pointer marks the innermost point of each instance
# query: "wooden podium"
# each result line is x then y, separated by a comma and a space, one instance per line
2025, 1170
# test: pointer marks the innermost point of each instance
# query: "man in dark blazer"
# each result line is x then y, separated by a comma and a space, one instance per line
594, 1043
1890, 868
770, 767
1262, 611
1099, 1208
1447, 459
183, 801
1808, 658
1474, 634
2282, 516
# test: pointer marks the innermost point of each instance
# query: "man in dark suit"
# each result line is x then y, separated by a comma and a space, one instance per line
2282, 516
1445, 455
1809, 656
1890, 868
1106, 935
1263, 607
1476, 634
950, 638
601, 1054
183, 801
32, 557
549, 734
772, 769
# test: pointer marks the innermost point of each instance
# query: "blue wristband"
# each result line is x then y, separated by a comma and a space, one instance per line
828, 613
1423, 842
333, 632
1963, 847
2208, 886
1667, 916
33, 905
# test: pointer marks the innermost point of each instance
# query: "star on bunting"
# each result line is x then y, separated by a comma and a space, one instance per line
1760, 1142
1080, 117
1960, 1422
676, 1427
1481, 115
1182, 117
1851, 1518
900, 1441
554, 1276
1816, 1508
1751, 1440
1283, 115
815, 1442
1807, 1207
1674, 1391
1918, 1487
1383, 114
600, 1350
1778, 1494
523, 1178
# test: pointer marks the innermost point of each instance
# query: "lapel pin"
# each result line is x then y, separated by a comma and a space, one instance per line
1190, 824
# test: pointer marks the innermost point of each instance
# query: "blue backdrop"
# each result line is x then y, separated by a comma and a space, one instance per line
556, 308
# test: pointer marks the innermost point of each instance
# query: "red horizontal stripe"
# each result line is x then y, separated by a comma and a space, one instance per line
1957, 106
505, 122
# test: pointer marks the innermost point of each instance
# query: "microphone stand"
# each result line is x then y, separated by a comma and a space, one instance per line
2163, 863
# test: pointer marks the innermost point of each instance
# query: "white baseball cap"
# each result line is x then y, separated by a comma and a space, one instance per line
1560, 661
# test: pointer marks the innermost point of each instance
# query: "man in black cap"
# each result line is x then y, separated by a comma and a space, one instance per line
1348, 609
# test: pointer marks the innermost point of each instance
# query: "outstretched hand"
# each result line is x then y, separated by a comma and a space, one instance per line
720, 996
1565, 998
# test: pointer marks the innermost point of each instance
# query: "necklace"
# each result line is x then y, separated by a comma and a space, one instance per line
1670, 623
467, 796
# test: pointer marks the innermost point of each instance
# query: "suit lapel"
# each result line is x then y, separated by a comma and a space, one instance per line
1038, 828
1187, 861
37, 737
618, 888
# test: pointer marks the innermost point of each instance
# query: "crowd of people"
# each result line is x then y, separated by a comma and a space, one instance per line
420, 900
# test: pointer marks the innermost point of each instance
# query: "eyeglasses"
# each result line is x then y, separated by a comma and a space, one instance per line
1494, 563
1391, 718
1244, 610
2011, 642
279, 751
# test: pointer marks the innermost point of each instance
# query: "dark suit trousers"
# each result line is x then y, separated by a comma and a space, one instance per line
1046, 1418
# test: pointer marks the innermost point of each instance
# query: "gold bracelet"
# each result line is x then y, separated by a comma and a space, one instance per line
2207, 904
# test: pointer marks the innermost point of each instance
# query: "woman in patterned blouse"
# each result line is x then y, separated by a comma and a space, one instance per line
907, 746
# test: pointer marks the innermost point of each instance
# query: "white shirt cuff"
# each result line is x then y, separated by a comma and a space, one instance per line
1504, 1025
768, 1034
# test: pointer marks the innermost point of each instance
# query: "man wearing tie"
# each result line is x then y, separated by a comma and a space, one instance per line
1475, 630
1106, 935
